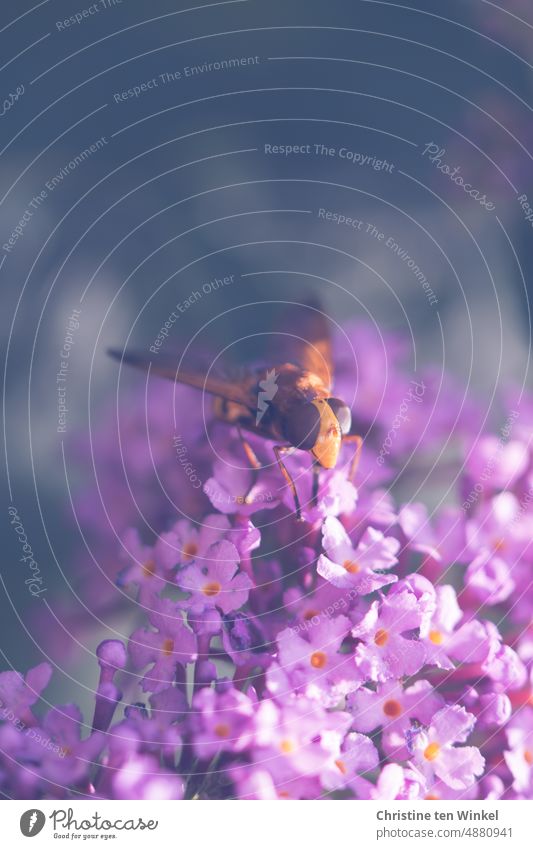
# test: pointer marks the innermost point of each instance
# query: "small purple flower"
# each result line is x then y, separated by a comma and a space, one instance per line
141, 777
424, 592
494, 710
18, 693
313, 664
171, 645
519, 756
354, 567
216, 582
257, 782
489, 578
436, 790
499, 528
392, 708
236, 489
436, 754
505, 667
48, 758
358, 755
394, 782
384, 651
112, 657
185, 541
143, 569
76, 756
475, 642
155, 731
222, 722
437, 632
244, 641
308, 608
298, 738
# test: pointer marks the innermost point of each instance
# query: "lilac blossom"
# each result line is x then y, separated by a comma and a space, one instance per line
170, 645
216, 581
379, 649
393, 708
387, 649
18, 694
348, 566
313, 664
436, 754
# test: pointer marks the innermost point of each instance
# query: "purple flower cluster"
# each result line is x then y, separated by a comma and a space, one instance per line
376, 650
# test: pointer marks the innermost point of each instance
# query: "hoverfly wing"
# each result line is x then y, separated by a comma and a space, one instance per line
240, 392
311, 347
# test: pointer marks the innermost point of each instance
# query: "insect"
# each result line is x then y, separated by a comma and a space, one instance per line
290, 403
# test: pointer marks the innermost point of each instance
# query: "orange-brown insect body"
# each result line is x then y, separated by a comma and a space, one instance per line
295, 388
290, 403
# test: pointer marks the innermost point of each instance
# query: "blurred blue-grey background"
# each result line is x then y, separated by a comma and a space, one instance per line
149, 150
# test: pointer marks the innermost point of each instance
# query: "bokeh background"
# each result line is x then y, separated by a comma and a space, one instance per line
179, 191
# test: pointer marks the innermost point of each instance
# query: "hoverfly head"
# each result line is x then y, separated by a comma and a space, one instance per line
302, 425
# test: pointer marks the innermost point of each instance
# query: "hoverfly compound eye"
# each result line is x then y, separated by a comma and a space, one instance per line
343, 414
302, 426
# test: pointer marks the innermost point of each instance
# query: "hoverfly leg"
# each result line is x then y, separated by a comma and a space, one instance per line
314, 495
352, 437
278, 451
249, 451
255, 465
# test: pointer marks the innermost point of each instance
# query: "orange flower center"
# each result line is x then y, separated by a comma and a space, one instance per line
499, 544
168, 647
528, 757
341, 766
431, 751
148, 568
211, 589
351, 566
392, 708
287, 746
310, 614
190, 550
436, 637
381, 637
318, 659
431, 797
222, 730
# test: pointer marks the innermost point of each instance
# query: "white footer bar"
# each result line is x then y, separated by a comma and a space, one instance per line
269, 825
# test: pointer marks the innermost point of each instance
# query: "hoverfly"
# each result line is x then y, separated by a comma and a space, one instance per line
290, 404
